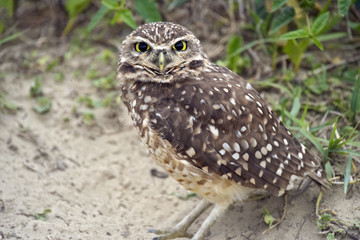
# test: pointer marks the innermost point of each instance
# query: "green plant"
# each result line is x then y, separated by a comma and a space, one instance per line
6, 105
74, 8
43, 105
268, 219
42, 216
36, 88
120, 13
88, 117
234, 62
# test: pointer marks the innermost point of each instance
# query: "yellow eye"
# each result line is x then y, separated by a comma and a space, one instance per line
180, 46
141, 47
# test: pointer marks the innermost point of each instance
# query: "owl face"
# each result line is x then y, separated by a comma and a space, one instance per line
156, 51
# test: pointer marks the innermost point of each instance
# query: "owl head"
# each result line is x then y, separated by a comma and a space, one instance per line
158, 51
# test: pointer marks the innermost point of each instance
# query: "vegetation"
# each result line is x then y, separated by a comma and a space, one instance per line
298, 50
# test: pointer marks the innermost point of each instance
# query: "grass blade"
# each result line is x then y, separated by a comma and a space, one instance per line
347, 174
319, 23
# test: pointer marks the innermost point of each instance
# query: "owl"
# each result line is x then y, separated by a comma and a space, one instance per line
205, 125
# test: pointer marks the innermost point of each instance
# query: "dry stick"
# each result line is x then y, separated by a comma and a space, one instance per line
318, 203
282, 217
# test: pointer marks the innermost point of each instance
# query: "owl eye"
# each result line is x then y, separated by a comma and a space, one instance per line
141, 47
180, 46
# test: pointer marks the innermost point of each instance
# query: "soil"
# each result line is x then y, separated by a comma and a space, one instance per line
96, 178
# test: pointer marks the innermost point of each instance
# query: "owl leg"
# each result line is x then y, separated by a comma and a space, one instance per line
217, 211
180, 229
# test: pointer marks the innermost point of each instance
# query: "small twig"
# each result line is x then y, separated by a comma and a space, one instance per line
318, 203
332, 212
282, 217
348, 28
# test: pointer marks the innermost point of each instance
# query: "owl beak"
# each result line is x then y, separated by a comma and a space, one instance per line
161, 61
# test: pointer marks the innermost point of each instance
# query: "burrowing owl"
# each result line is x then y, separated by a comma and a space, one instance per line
205, 125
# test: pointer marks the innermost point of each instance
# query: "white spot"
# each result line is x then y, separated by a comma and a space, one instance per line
263, 164
248, 98
279, 172
226, 90
238, 133
264, 151
226, 146
275, 156
183, 92
261, 128
282, 166
303, 148
258, 103
216, 89
211, 92
260, 111
273, 128
261, 173
281, 192
265, 137
202, 101
144, 107
147, 99
222, 152
269, 147
134, 103
318, 173
243, 129
252, 180
214, 130
248, 86
286, 162
236, 147
300, 155
288, 156
216, 106
313, 163
190, 152
258, 155
234, 113
276, 143
253, 142
246, 156
236, 156
233, 102
244, 144
302, 164
268, 160
286, 141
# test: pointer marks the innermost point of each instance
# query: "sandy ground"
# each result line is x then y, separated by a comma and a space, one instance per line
96, 179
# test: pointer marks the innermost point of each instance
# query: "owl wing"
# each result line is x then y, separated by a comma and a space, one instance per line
226, 128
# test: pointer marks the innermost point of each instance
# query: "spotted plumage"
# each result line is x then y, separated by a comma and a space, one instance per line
205, 125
